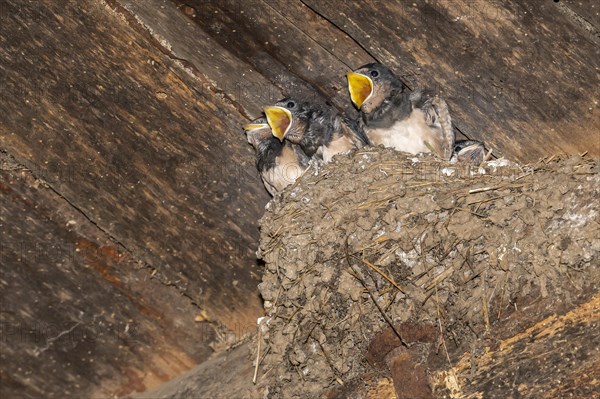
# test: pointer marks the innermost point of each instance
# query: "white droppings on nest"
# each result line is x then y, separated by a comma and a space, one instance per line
580, 219
269, 205
410, 258
501, 252
294, 192
448, 171
499, 163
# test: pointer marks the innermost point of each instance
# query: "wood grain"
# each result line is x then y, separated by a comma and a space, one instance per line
589, 10
555, 357
296, 50
80, 316
136, 150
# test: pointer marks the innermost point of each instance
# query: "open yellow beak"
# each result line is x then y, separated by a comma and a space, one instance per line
280, 120
254, 126
360, 87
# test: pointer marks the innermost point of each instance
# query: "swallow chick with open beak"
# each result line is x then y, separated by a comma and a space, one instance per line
279, 163
469, 151
394, 117
319, 130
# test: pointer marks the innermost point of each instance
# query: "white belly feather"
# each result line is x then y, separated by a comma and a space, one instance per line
408, 135
337, 146
286, 171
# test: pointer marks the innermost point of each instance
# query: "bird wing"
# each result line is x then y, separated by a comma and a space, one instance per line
437, 117
357, 131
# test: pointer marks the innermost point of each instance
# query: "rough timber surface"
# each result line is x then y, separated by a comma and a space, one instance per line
136, 149
556, 357
80, 316
586, 10
225, 375
127, 140
299, 52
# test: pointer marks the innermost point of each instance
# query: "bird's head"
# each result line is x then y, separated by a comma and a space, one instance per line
288, 119
370, 85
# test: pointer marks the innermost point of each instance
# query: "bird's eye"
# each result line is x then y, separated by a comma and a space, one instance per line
374, 74
291, 104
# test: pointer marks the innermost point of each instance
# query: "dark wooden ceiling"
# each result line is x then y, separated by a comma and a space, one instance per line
120, 125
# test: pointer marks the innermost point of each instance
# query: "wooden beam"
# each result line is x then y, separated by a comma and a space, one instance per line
213, 62
555, 357
79, 315
226, 375
295, 49
588, 10
162, 168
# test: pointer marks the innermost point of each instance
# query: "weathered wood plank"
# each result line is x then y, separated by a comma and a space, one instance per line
589, 10
225, 375
208, 57
80, 317
230, 374
555, 357
519, 76
297, 50
164, 169
294, 48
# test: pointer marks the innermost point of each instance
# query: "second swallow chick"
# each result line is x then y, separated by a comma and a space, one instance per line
320, 130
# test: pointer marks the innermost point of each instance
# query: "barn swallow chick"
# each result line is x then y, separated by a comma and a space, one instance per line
469, 151
393, 117
320, 131
279, 163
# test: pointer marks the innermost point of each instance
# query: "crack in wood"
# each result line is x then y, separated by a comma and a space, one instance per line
310, 37
578, 19
366, 50
146, 32
16, 164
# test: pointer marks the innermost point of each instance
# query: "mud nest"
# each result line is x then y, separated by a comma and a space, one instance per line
378, 238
